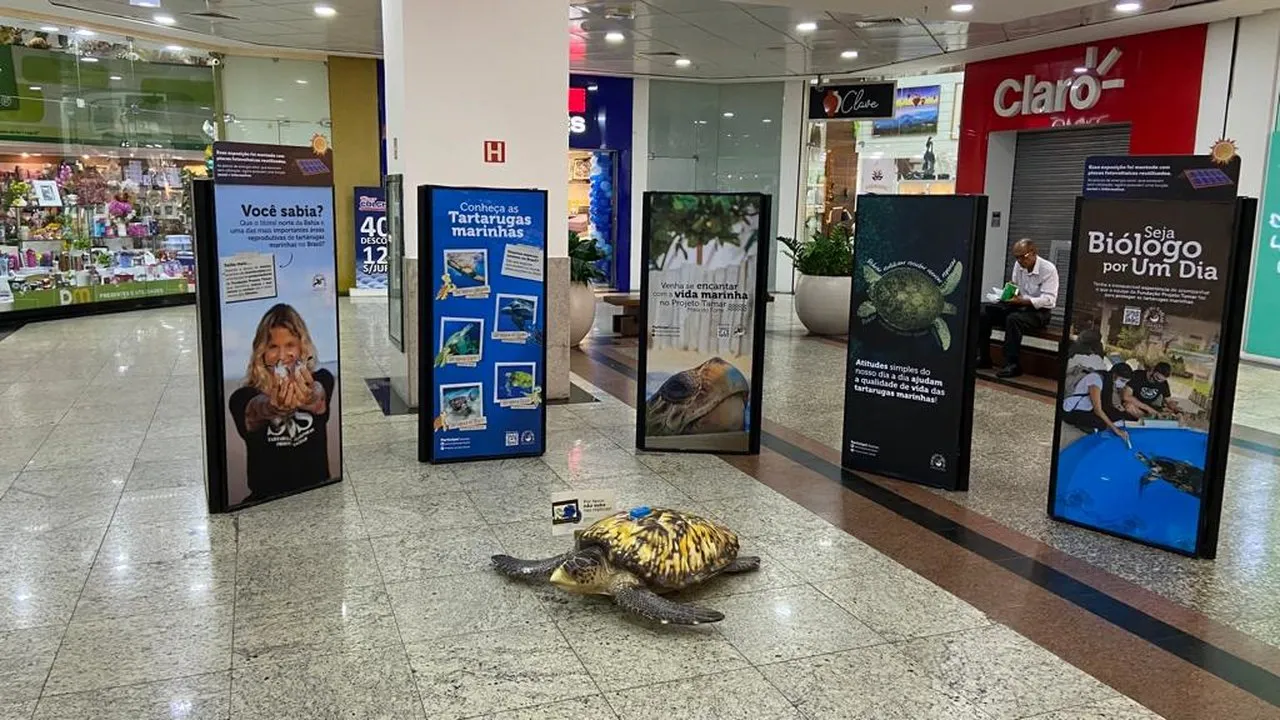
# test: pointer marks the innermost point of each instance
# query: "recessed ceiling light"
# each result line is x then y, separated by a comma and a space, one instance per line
592, 87
806, 27
849, 54
813, 81
173, 48
48, 28
116, 77
1081, 70
728, 114
1128, 7
767, 120
324, 11
615, 37
279, 99
300, 81
163, 19
34, 87
683, 62
962, 8
88, 59
85, 32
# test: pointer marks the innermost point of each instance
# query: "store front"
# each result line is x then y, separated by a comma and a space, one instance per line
599, 171
912, 153
1031, 120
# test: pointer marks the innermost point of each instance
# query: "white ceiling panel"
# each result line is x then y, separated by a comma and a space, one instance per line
741, 39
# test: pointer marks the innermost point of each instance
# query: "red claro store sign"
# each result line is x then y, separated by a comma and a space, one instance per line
1150, 81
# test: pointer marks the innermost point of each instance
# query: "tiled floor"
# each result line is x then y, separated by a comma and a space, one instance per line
121, 599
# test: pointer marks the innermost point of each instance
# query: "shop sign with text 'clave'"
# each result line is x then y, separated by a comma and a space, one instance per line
866, 101
1032, 95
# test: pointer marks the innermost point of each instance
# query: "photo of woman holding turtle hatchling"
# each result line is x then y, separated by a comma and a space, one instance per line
282, 409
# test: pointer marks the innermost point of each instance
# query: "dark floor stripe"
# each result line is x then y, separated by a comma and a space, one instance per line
1250, 678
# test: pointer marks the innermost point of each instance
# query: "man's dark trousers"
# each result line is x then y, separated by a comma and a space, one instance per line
1016, 321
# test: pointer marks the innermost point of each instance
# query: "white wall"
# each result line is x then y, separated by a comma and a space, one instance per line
1002, 150
639, 173
1251, 103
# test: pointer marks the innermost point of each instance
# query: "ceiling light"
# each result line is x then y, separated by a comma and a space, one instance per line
1128, 7
85, 32
173, 48
806, 27
683, 62
767, 120
962, 8
615, 37
164, 19
849, 54
279, 99
48, 28
728, 114
116, 77
1081, 70
300, 81
593, 87
813, 81
324, 11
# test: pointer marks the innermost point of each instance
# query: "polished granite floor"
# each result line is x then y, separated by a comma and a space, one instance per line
120, 599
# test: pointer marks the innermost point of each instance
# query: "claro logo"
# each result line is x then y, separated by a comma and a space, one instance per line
1033, 96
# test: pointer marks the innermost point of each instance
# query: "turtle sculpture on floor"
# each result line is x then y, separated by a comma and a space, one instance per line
710, 398
1182, 475
907, 301
637, 556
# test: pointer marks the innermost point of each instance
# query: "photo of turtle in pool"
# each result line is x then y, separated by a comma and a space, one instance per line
713, 397
467, 268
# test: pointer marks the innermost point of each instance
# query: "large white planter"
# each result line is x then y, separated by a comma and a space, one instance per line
822, 303
582, 312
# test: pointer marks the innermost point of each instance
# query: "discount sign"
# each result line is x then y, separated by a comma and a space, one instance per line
371, 238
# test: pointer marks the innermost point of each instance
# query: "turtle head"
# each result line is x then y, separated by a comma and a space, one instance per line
709, 398
585, 573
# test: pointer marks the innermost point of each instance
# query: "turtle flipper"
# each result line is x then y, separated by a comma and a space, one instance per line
943, 332
743, 565
532, 569
948, 309
870, 275
952, 280
644, 602
867, 310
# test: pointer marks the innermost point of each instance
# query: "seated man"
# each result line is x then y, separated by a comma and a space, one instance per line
1027, 311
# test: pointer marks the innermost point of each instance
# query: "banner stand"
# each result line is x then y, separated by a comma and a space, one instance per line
482, 319
913, 337
703, 297
267, 319
372, 247
1162, 486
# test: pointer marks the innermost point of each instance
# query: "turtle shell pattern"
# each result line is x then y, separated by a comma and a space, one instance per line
907, 299
666, 549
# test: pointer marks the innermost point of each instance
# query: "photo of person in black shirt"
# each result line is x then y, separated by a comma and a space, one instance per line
1149, 394
282, 409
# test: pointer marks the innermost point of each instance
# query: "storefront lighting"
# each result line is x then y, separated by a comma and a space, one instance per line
35, 88
163, 19
728, 114
806, 27
593, 87
324, 11
48, 29
1081, 70
300, 81
173, 48
766, 121
117, 78
813, 81
683, 62
615, 37
849, 54
85, 32
89, 59
1128, 7
962, 8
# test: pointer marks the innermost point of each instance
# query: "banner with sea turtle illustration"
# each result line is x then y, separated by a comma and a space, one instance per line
1149, 357
483, 315
702, 321
908, 406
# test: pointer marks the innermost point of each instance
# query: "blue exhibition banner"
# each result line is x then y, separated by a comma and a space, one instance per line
277, 322
371, 238
483, 354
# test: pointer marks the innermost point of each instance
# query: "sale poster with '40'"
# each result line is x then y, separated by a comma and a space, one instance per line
371, 241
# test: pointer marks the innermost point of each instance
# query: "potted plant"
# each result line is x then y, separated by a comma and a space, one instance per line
583, 255
825, 264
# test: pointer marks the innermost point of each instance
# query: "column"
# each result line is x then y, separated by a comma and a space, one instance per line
461, 73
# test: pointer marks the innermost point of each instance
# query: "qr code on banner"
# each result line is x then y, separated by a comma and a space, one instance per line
1132, 316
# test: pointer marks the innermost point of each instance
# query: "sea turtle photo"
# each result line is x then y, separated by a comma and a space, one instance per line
639, 555
709, 398
465, 341
518, 382
521, 313
1182, 475
906, 300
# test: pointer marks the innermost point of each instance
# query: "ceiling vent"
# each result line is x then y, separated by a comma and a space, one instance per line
212, 15
660, 53
620, 12
873, 21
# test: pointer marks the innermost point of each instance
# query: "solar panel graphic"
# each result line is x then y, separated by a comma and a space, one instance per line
1201, 178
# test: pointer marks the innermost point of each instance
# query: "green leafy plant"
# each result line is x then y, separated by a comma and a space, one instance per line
827, 253
583, 255
691, 222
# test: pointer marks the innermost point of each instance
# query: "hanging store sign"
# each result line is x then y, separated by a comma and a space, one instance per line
867, 101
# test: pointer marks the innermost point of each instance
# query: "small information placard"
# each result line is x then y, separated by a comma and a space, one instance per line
248, 276
573, 510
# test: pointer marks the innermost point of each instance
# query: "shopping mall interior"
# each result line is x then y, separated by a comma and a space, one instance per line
261, 458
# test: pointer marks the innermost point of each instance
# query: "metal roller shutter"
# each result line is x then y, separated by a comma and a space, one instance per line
1048, 173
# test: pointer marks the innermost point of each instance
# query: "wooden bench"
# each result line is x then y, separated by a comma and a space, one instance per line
627, 322
1039, 352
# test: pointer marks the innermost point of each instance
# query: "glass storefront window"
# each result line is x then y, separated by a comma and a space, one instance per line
914, 153
275, 101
